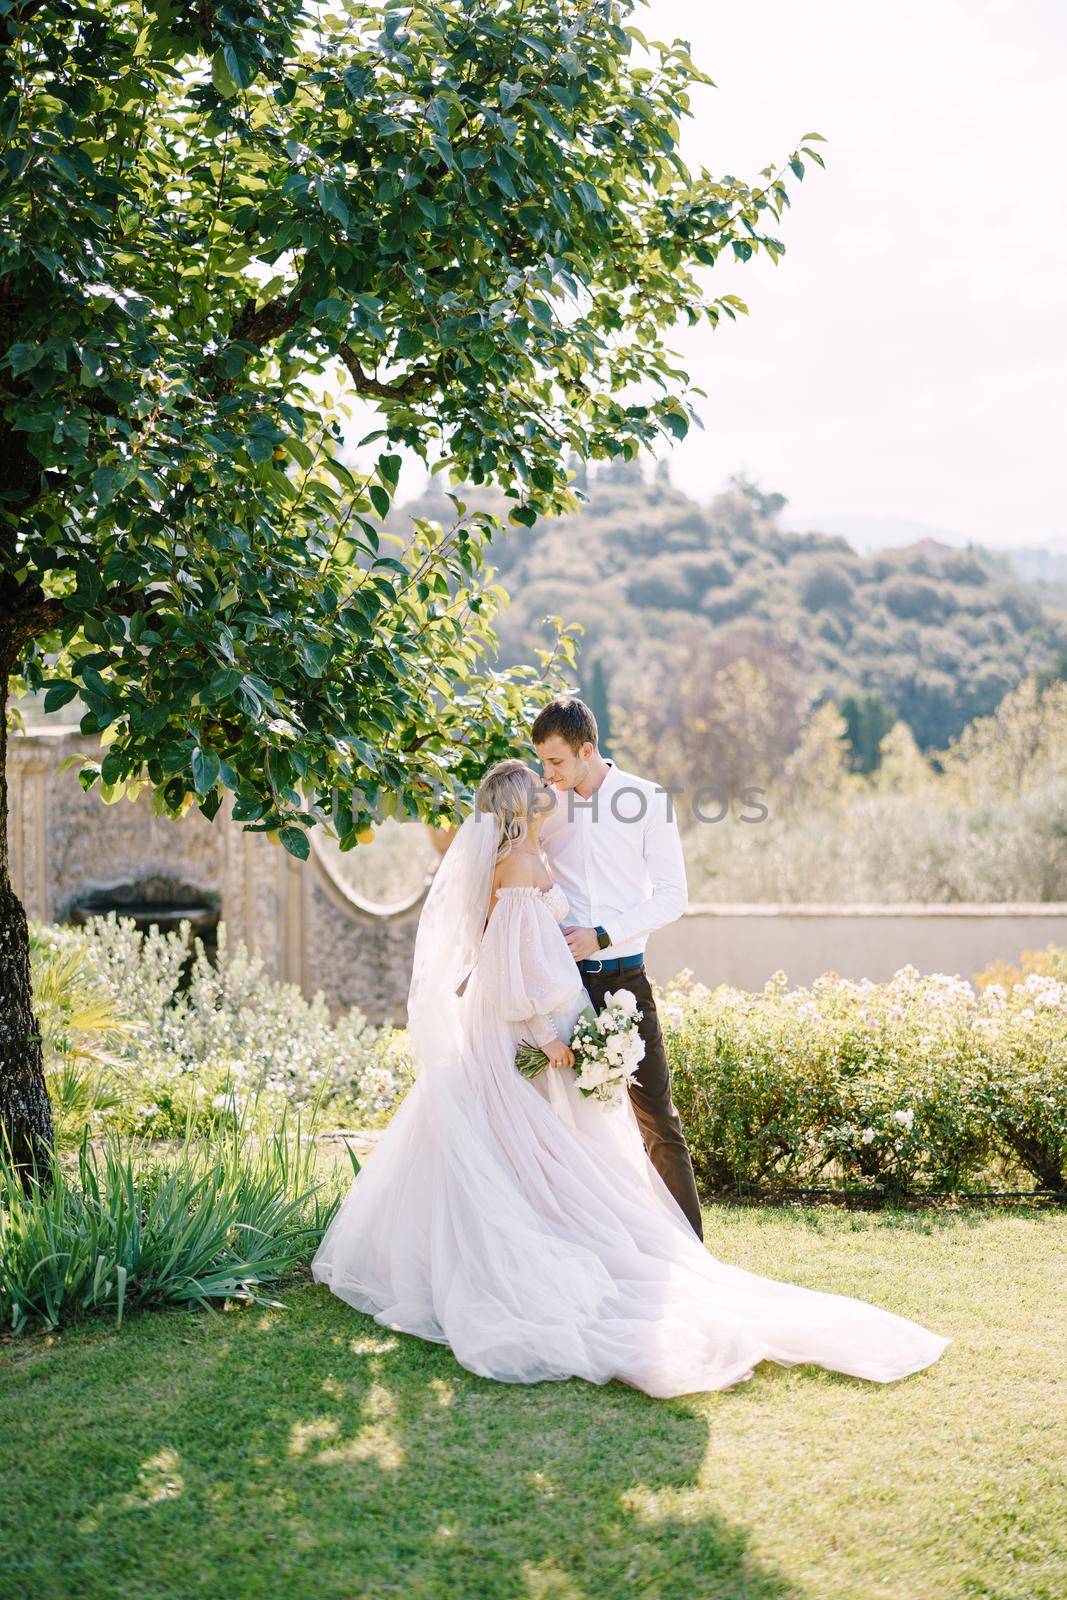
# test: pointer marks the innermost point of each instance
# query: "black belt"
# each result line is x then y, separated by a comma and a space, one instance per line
615, 964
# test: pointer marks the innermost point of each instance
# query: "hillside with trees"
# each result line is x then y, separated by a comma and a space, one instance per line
672, 594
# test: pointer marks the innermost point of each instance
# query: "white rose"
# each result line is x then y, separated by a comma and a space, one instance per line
626, 1002
904, 1118
635, 1054
594, 1073
867, 1136
615, 1046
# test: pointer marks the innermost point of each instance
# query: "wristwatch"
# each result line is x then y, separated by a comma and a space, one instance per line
603, 939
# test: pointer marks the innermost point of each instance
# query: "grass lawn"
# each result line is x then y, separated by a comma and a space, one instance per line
309, 1452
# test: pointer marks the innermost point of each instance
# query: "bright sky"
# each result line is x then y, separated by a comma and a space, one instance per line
906, 362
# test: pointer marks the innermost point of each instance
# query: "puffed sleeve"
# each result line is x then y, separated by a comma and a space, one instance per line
525, 969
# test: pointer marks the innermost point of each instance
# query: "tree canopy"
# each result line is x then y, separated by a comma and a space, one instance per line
224, 220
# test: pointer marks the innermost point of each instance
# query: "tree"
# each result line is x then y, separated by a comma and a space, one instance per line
867, 722
720, 714
600, 705
222, 221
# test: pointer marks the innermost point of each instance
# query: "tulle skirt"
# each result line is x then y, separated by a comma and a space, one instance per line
522, 1224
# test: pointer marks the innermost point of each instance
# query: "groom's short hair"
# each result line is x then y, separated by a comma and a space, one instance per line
570, 718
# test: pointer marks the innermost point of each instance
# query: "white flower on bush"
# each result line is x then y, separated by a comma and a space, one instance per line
867, 1136
1045, 993
904, 1119
1038, 983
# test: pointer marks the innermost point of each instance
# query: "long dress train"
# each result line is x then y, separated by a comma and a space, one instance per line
522, 1223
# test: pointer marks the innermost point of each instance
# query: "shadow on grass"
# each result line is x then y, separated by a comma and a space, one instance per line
311, 1452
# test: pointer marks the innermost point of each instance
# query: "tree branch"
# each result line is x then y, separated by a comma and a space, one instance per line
414, 383
278, 316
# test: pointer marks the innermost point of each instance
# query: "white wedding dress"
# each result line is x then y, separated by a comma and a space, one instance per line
522, 1224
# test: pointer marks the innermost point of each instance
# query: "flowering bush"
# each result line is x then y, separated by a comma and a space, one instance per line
921, 1083
233, 1035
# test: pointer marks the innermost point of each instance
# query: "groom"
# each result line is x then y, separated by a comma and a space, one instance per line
612, 844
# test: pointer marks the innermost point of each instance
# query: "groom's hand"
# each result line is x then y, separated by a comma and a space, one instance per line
581, 942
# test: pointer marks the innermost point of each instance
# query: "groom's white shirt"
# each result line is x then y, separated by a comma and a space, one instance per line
618, 858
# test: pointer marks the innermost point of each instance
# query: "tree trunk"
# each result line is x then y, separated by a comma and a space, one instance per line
26, 1133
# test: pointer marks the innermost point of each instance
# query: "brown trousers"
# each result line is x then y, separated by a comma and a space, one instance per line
650, 1092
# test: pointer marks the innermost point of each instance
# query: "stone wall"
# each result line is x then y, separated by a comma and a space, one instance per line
743, 944
66, 844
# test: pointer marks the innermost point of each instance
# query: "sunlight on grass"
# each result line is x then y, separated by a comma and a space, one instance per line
547, 1582
307, 1451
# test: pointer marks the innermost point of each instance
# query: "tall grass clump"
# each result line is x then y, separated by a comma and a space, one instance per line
122, 1227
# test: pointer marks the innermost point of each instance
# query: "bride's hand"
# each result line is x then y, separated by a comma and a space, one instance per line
558, 1053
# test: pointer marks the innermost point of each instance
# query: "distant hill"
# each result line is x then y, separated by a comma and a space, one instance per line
940, 633
1045, 568
866, 534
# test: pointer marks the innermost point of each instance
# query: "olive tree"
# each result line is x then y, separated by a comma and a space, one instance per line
224, 220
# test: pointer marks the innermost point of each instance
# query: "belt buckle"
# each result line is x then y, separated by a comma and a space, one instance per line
587, 964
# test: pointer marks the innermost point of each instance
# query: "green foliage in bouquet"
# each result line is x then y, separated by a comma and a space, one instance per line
531, 1060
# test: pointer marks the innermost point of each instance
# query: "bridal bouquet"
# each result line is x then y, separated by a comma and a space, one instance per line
607, 1049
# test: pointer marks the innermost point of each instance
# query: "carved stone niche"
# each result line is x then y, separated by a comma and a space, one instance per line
155, 900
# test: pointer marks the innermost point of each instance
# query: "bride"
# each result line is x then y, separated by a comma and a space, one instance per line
518, 1221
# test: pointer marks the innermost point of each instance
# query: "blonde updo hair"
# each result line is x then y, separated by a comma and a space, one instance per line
508, 792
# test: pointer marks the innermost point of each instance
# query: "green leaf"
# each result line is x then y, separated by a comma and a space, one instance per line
409, 343
221, 76
111, 768
588, 196
105, 482
315, 655
296, 842
330, 201
21, 357
205, 769
92, 368
502, 178
358, 80
59, 694
544, 116
240, 73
